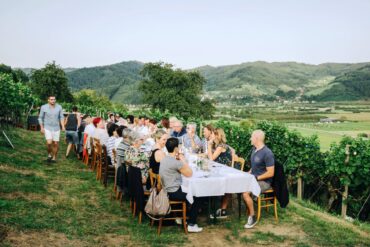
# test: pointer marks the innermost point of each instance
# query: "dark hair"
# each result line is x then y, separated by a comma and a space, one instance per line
51, 95
171, 144
140, 117
111, 128
209, 127
165, 123
111, 114
120, 129
153, 121
131, 119
86, 116
74, 108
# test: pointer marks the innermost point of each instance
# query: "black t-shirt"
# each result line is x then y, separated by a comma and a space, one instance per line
260, 160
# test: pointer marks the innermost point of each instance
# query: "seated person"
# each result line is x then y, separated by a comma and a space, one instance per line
158, 154
124, 145
172, 167
100, 131
178, 129
207, 133
220, 152
135, 157
113, 136
119, 134
263, 168
190, 140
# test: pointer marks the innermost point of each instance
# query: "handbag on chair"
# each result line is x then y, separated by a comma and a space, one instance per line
158, 204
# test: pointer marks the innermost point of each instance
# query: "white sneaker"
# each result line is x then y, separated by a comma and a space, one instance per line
252, 221
178, 221
194, 228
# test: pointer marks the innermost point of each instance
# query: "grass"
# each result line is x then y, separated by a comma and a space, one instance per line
38, 202
329, 133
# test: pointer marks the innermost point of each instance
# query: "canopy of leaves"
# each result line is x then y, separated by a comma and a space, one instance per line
174, 90
51, 80
17, 74
15, 97
89, 101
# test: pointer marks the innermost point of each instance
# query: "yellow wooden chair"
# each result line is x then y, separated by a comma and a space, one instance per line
264, 201
155, 180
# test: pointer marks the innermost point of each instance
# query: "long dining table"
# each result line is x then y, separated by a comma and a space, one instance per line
216, 180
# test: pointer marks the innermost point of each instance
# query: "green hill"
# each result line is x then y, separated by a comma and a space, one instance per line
241, 82
354, 85
262, 78
117, 81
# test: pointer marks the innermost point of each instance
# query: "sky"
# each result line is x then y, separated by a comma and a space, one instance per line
187, 33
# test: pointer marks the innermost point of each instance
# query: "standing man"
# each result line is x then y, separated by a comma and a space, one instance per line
50, 119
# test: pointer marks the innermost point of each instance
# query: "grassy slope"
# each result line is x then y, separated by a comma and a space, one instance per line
64, 205
329, 133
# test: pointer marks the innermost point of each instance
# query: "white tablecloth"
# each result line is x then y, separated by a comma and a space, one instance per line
219, 181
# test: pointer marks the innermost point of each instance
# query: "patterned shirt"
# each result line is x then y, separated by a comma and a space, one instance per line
139, 159
110, 146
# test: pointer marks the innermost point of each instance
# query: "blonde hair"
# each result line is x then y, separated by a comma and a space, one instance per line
220, 134
173, 119
259, 134
136, 121
158, 134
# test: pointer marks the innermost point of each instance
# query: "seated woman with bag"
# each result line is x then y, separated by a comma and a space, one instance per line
172, 167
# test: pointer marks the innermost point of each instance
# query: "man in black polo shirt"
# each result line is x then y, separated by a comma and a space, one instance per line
262, 167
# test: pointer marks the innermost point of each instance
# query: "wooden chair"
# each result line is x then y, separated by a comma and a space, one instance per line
85, 151
106, 169
97, 157
264, 201
118, 194
238, 160
136, 191
32, 127
155, 180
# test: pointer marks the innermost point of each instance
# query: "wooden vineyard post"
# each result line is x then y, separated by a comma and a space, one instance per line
344, 201
200, 130
345, 193
299, 188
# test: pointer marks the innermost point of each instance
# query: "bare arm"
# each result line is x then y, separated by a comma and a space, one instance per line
78, 120
268, 174
185, 169
41, 120
215, 154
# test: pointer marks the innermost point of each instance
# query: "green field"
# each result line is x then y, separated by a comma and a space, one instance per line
329, 133
354, 117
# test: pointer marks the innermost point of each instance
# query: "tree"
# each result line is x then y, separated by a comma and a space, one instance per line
88, 101
51, 80
17, 74
174, 90
15, 98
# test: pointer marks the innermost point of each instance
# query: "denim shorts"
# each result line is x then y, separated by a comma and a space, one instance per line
72, 137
